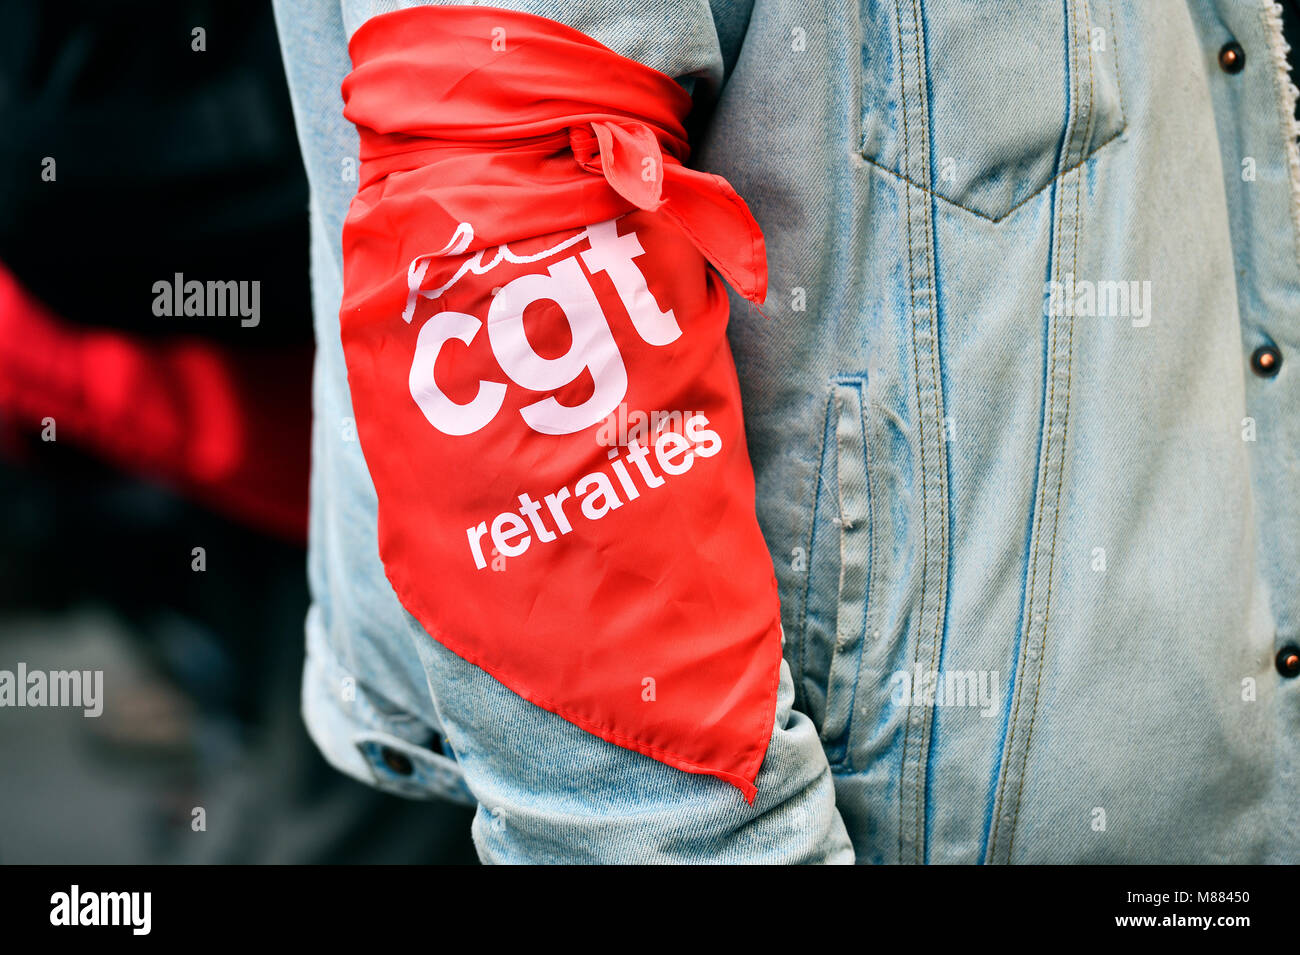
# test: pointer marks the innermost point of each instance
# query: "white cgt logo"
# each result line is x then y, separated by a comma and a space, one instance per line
563, 283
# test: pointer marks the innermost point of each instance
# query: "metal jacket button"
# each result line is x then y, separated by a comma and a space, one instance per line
399, 763
1266, 361
1288, 661
1232, 57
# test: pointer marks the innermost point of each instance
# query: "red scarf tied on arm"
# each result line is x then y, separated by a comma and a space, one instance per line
534, 327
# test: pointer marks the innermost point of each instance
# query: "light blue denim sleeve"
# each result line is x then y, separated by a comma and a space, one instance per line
387, 704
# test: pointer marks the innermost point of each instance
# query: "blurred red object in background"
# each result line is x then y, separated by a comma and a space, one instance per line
228, 426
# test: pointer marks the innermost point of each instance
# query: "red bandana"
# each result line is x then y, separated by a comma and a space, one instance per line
543, 389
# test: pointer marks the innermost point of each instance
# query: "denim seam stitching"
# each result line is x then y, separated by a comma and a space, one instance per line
1060, 481
871, 567
923, 66
808, 553
1114, 49
839, 584
916, 380
1092, 154
1044, 463
1040, 503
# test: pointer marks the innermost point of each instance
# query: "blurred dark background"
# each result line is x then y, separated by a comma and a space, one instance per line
153, 469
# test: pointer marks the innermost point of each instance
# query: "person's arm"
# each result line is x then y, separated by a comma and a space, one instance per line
536, 668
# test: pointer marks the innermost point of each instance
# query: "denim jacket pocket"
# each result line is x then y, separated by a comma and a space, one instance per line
852, 489
1004, 90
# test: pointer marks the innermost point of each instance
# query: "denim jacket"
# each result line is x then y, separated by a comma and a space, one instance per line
1023, 419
